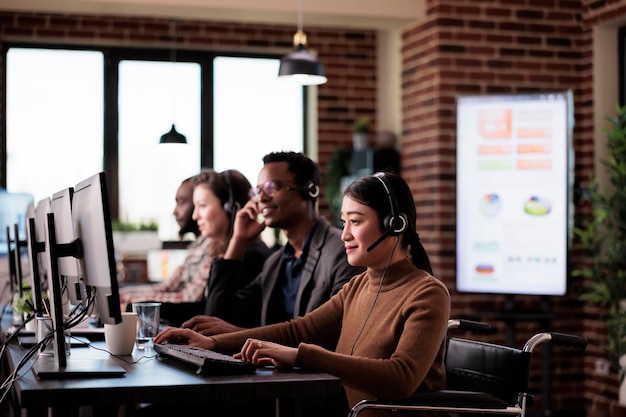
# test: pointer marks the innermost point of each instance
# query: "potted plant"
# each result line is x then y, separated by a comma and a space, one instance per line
338, 167
603, 238
22, 306
135, 238
360, 136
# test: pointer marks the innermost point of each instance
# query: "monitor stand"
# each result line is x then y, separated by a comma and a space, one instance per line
47, 367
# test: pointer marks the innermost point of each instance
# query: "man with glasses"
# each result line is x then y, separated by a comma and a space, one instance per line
297, 278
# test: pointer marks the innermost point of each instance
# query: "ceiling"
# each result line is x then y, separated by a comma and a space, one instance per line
365, 14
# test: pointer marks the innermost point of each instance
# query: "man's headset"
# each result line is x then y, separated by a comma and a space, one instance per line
395, 223
310, 190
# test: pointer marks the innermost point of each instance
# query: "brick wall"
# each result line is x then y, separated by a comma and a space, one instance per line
461, 47
505, 46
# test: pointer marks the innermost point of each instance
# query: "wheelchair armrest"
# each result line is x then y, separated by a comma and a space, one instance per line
456, 398
449, 399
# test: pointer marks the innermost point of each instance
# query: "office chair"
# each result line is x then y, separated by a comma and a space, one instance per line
479, 327
481, 378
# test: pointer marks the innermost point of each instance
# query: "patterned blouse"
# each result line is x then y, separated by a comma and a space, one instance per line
186, 284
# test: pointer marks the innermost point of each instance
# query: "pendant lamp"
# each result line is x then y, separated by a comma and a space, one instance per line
300, 66
173, 136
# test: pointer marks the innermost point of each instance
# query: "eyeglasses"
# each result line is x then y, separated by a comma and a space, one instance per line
270, 187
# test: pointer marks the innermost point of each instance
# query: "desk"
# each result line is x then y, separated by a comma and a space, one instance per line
158, 380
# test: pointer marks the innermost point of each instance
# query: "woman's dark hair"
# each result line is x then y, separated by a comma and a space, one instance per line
370, 191
304, 169
190, 225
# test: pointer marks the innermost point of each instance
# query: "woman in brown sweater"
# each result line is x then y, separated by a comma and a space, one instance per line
384, 333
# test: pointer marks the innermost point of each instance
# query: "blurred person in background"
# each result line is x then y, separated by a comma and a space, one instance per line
216, 199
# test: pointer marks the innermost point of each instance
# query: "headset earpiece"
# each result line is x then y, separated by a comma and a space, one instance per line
395, 223
312, 190
231, 207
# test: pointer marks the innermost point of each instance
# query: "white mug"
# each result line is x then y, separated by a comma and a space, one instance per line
120, 338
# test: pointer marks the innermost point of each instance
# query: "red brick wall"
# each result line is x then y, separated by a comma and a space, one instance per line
473, 47
461, 47
505, 46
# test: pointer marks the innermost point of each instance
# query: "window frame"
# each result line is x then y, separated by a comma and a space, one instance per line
112, 57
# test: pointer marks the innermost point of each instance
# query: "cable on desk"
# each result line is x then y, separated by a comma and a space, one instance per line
6, 307
6, 386
13, 335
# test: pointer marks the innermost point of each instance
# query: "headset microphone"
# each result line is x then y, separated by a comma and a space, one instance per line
380, 239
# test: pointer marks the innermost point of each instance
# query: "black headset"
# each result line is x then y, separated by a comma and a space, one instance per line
396, 222
310, 191
231, 207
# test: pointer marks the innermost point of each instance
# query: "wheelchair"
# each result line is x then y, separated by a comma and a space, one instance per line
481, 378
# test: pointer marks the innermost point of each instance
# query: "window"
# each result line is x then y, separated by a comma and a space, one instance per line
152, 97
54, 118
64, 124
254, 114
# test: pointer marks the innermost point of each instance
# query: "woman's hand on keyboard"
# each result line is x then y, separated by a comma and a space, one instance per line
185, 336
210, 325
262, 353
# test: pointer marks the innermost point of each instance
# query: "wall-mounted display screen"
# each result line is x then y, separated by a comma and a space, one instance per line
514, 186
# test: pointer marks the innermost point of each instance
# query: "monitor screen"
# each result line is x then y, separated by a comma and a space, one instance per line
16, 251
35, 244
9, 243
514, 193
61, 207
12, 209
37, 253
92, 225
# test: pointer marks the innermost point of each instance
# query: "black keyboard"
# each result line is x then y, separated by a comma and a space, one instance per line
208, 361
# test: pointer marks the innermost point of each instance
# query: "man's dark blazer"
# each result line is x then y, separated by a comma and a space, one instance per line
325, 271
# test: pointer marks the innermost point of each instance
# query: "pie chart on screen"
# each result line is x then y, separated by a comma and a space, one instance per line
537, 206
490, 204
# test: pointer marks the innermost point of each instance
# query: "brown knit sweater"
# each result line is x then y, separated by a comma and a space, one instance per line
389, 353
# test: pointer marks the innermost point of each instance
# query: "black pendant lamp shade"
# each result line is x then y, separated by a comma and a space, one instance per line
300, 66
173, 137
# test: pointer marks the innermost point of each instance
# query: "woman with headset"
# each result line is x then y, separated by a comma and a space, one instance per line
216, 199
383, 334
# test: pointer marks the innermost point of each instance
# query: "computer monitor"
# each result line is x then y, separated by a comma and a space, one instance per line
12, 208
93, 247
14, 257
39, 264
16, 282
61, 206
10, 258
19, 244
92, 225
35, 241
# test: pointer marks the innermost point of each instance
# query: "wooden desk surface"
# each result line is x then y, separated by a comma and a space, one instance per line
152, 380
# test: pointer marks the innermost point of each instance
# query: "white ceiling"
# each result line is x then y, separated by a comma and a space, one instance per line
366, 14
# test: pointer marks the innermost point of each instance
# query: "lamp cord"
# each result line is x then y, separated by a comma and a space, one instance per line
300, 15
173, 29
